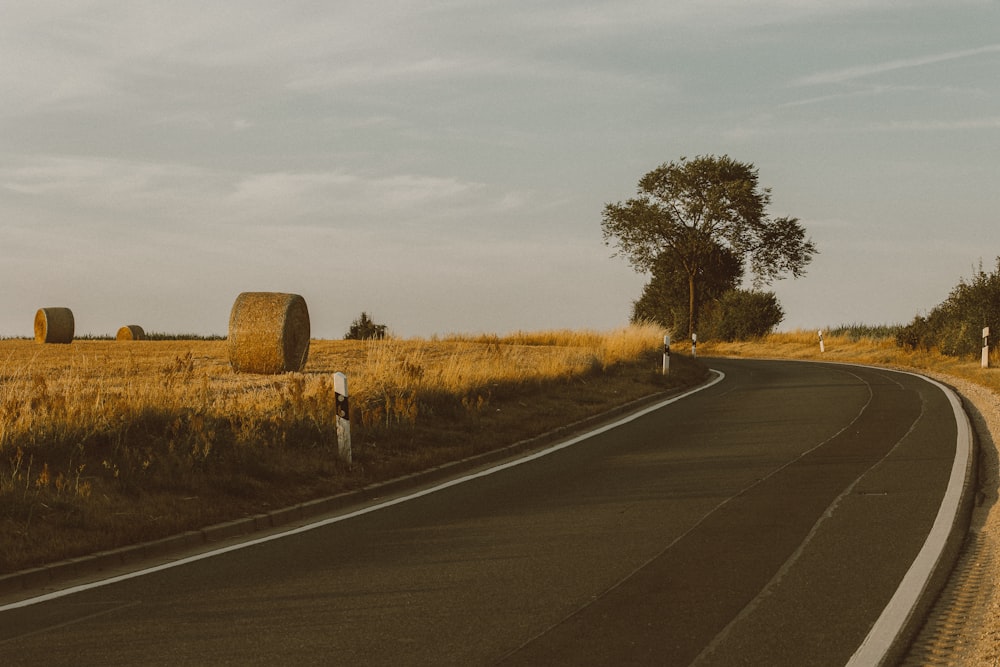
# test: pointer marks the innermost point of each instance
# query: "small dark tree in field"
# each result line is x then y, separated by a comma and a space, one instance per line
691, 208
743, 315
364, 328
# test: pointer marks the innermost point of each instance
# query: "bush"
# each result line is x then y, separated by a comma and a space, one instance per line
665, 299
742, 315
364, 328
955, 326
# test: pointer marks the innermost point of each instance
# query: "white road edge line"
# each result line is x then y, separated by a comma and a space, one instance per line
719, 376
894, 617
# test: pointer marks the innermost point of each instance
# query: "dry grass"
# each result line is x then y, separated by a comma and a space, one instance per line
103, 445
877, 351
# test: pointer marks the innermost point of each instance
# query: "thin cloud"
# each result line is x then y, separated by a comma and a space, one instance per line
878, 90
339, 191
108, 183
991, 123
852, 73
371, 74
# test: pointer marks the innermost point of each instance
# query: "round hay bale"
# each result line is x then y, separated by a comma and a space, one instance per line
268, 333
54, 325
131, 332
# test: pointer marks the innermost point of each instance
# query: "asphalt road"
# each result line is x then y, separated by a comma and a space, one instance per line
765, 520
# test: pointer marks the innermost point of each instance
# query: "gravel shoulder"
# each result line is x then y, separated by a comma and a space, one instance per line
963, 627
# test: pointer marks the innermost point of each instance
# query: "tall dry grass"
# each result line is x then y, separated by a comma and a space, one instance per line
97, 428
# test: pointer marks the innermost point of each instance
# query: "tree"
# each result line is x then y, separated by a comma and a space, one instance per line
691, 208
364, 328
664, 298
743, 315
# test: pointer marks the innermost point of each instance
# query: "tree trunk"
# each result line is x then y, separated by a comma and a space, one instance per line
692, 306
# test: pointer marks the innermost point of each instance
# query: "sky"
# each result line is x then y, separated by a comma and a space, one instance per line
443, 164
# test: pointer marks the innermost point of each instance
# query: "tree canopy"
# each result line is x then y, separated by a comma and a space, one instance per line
687, 212
742, 315
664, 298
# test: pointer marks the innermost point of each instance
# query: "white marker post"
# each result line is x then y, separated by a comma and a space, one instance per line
694, 345
666, 355
822, 347
343, 417
986, 347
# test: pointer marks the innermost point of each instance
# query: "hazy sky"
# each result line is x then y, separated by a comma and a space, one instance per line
443, 164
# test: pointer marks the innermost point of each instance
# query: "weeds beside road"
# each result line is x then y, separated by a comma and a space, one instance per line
105, 443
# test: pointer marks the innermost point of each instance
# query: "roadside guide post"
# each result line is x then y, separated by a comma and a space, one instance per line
822, 347
343, 417
694, 345
666, 355
986, 347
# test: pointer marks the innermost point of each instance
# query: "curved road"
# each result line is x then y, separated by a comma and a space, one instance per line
767, 519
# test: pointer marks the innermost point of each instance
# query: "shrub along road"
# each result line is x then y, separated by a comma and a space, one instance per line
767, 519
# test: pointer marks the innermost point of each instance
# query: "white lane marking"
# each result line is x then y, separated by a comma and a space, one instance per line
890, 623
751, 606
902, 605
697, 524
719, 376
894, 617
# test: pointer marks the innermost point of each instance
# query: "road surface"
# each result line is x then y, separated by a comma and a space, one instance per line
765, 520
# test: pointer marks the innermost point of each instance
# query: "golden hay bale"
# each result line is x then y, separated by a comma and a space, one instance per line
131, 332
268, 333
54, 325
